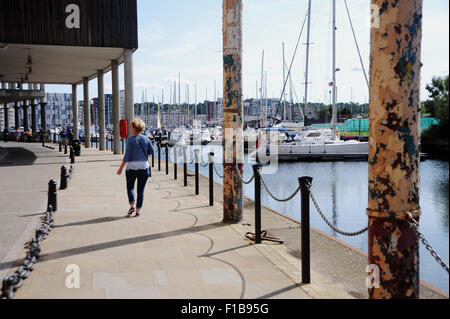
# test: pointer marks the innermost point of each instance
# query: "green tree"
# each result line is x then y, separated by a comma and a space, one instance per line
324, 113
437, 106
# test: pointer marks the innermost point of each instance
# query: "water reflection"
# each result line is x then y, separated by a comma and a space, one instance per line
334, 200
440, 190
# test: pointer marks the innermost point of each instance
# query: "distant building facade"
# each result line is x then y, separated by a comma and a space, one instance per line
108, 111
11, 121
58, 110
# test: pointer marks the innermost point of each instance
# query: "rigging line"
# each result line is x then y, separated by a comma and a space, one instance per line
290, 67
357, 46
296, 97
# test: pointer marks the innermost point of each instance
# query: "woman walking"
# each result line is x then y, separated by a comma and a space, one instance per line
136, 156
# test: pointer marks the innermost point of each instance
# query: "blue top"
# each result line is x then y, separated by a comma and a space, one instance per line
139, 148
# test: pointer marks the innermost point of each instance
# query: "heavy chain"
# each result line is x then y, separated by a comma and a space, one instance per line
330, 224
275, 197
415, 226
206, 164
242, 177
217, 172
14, 281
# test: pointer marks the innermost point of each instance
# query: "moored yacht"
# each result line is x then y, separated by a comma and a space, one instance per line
311, 144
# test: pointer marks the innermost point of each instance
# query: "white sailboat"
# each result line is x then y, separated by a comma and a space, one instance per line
310, 143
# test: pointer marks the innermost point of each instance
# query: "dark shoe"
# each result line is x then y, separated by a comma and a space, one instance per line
137, 215
130, 212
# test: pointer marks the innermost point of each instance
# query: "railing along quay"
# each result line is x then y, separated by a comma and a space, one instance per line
306, 196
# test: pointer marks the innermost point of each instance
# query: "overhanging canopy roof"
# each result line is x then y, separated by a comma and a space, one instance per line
55, 64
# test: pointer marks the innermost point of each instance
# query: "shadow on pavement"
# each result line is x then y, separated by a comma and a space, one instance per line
92, 222
280, 291
118, 243
14, 156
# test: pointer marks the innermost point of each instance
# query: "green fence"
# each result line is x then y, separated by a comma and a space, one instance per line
362, 125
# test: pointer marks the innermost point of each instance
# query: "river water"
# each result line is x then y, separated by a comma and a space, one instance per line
341, 189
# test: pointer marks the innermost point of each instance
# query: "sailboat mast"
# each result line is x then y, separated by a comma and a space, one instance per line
195, 107
262, 87
291, 98
174, 101
284, 79
179, 99
215, 104
170, 104
189, 104
334, 118
307, 57
265, 97
162, 103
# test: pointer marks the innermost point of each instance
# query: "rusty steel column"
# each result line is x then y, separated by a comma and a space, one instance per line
394, 148
232, 109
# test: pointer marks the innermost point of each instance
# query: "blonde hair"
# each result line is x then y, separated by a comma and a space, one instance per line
138, 125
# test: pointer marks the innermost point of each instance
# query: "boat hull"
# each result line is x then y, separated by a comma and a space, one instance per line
318, 152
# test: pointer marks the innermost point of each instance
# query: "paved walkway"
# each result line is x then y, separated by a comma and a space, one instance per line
177, 249
25, 170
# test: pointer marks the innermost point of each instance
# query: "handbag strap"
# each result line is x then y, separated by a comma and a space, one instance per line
143, 150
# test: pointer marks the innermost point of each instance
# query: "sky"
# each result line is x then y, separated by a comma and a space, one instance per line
185, 36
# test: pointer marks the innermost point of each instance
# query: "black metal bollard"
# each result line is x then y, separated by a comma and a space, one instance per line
60, 146
185, 166
52, 195
175, 162
305, 200
65, 149
256, 170
159, 157
167, 159
197, 182
64, 175
153, 159
72, 155
211, 179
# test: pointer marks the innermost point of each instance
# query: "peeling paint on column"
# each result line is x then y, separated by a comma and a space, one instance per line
393, 152
232, 113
